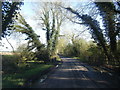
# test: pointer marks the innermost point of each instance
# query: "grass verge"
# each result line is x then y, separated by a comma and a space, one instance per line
19, 79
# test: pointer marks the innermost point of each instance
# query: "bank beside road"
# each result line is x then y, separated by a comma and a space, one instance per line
26, 77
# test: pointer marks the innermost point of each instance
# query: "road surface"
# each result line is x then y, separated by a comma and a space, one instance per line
75, 74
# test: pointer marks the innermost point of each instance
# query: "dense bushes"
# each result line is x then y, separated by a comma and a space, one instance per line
9, 63
42, 55
24, 75
76, 48
31, 55
19, 68
89, 52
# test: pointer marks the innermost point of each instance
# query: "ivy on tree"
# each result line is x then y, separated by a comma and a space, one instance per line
9, 11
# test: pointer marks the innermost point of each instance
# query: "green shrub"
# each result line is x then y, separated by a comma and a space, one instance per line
9, 63
19, 79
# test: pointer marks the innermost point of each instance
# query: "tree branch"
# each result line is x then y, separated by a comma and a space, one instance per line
10, 45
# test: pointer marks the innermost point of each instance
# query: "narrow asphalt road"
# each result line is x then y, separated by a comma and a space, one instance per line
75, 74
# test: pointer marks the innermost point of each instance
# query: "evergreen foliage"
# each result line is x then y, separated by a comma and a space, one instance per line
9, 11
33, 40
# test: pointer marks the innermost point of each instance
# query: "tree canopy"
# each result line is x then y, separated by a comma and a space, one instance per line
9, 11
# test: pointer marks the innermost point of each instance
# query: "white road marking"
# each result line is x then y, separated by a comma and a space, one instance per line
43, 79
83, 75
101, 71
56, 65
110, 74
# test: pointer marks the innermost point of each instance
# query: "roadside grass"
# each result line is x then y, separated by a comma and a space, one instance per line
76, 57
19, 79
58, 58
17, 75
81, 59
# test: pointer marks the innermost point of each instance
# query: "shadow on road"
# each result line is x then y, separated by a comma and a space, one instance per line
75, 74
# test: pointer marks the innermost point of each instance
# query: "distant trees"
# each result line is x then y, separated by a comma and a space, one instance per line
62, 43
77, 48
86, 51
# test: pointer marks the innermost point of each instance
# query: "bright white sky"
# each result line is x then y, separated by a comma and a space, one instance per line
28, 12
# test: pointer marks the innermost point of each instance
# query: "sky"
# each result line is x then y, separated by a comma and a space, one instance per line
27, 10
